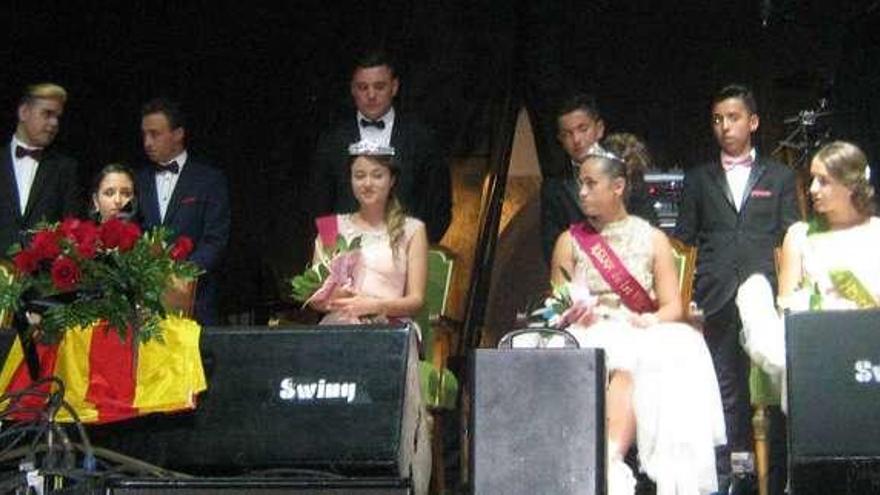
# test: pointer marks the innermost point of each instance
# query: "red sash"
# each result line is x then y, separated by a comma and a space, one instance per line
328, 230
631, 292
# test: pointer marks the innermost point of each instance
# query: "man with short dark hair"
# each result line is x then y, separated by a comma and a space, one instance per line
37, 182
423, 187
579, 127
735, 209
186, 195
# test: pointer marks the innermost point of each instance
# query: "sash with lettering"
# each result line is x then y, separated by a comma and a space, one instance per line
631, 292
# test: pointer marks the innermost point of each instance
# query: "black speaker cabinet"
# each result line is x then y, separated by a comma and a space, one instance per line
234, 486
538, 422
336, 399
833, 362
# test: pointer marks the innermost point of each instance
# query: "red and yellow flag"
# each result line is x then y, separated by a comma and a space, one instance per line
107, 379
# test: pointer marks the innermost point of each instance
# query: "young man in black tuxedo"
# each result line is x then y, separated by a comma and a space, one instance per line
185, 194
37, 182
736, 210
423, 186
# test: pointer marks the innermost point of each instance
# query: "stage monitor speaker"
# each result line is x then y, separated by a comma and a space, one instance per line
254, 486
341, 399
833, 384
833, 363
538, 421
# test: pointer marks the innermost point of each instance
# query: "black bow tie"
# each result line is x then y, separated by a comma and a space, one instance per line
172, 167
378, 124
35, 153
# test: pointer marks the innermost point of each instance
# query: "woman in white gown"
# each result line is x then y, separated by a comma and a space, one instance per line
662, 391
827, 263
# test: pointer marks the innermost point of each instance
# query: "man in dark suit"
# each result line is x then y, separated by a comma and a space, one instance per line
736, 210
579, 127
37, 182
423, 186
186, 195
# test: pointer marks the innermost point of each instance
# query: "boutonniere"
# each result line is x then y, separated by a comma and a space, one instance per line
761, 193
188, 200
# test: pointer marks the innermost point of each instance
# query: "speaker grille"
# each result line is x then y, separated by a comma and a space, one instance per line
538, 421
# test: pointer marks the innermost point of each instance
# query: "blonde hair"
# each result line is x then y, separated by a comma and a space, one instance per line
848, 165
395, 219
46, 90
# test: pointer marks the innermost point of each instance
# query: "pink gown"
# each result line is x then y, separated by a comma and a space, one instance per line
380, 272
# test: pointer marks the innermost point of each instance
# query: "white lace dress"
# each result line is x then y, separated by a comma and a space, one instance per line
676, 399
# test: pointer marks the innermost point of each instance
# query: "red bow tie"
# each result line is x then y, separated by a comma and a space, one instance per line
731, 163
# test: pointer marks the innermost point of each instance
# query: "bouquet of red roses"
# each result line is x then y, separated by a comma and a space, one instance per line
83, 272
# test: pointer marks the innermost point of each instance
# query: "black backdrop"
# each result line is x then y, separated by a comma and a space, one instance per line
260, 79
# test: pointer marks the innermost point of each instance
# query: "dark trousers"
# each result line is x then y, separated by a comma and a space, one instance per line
721, 331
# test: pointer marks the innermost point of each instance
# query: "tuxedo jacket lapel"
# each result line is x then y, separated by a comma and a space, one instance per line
44, 172
183, 186
7, 182
150, 202
400, 139
720, 180
758, 169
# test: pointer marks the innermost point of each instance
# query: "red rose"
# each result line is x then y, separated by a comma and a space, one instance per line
45, 244
65, 273
181, 248
69, 226
83, 234
110, 232
26, 261
120, 234
130, 235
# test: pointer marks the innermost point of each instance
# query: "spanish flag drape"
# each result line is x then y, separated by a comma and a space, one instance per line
107, 379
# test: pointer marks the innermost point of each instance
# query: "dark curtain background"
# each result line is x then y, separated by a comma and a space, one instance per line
259, 80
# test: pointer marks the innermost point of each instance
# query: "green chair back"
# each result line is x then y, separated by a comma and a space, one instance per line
439, 386
440, 265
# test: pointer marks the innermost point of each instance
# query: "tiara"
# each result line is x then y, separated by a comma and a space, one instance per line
597, 151
369, 148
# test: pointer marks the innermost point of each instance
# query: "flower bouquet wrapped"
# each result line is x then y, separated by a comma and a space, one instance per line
332, 269
567, 303
77, 272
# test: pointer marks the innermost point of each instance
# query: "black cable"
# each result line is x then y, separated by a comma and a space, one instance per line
89, 452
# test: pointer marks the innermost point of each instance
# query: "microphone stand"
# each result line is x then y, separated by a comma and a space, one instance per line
28, 346
803, 141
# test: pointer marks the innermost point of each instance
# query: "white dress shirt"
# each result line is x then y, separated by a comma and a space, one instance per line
166, 181
381, 137
25, 171
737, 177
